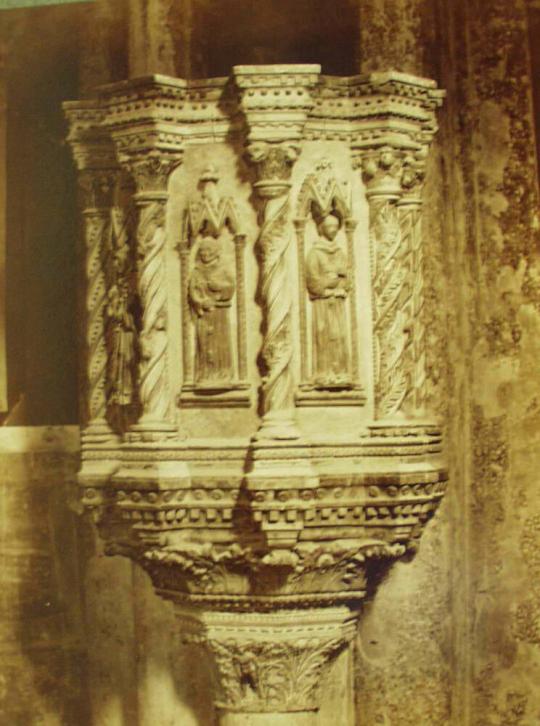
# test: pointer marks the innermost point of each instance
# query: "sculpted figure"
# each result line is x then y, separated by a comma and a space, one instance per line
211, 289
328, 285
121, 348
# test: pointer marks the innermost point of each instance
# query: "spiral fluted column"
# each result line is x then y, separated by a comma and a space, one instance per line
391, 283
409, 210
96, 186
151, 175
278, 420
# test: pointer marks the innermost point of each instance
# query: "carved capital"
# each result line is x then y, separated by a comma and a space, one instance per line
270, 662
381, 171
391, 172
97, 187
151, 172
273, 164
412, 176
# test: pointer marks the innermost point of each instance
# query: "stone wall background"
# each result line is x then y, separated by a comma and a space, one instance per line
453, 637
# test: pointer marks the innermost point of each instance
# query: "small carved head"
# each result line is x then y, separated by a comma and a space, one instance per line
329, 226
210, 174
209, 250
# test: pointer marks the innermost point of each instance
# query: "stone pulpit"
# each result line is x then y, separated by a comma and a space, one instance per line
258, 434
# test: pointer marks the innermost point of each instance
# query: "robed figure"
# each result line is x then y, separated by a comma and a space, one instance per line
328, 285
211, 288
121, 344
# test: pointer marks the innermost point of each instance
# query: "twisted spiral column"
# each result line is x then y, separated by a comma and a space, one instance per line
154, 390
96, 223
153, 373
96, 187
409, 211
151, 175
278, 420
391, 281
391, 308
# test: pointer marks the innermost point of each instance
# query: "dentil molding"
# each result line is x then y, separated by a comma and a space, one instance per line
258, 431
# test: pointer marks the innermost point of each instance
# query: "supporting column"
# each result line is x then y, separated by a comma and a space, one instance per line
391, 283
274, 163
97, 186
270, 666
409, 209
151, 173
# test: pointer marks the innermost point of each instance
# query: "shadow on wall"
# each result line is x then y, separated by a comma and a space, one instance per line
84, 641
42, 270
281, 31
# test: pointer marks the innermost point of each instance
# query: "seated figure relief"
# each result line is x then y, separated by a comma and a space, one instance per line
328, 285
211, 289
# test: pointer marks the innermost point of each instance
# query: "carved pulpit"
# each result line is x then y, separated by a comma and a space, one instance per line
258, 433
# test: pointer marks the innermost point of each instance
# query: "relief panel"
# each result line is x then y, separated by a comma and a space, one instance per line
327, 292
213, 300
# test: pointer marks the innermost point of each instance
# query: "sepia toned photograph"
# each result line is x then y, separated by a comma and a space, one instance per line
269, 363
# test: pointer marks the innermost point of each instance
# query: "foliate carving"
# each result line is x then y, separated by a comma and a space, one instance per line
328, 328
271, 662
274, 164
381, 171
96, 186
413, 174
151, 173
260, 544
257, 676
276, 101
212, 258
305, 571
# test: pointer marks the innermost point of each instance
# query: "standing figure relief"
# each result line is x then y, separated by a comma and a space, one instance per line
211, 289
213, 300
328, 284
